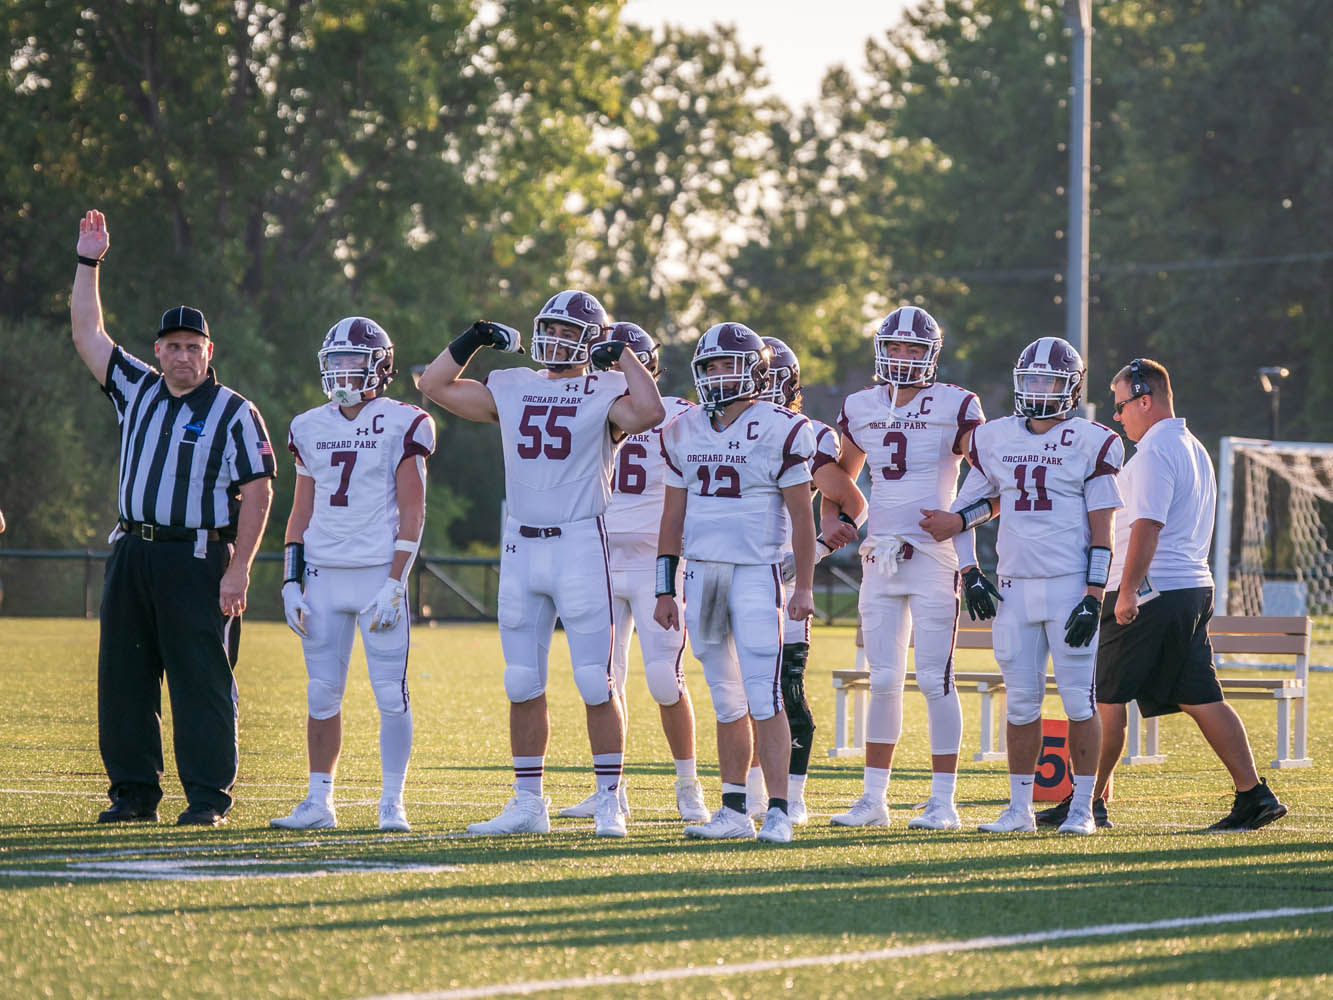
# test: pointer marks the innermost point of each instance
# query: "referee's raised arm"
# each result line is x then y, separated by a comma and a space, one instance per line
85, 303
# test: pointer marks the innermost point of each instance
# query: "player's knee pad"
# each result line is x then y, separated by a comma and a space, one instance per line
664, 683
594, 683
763, 698
1079, 699
884, 711
1023, 701
324, 698
729, 702
523, 683
390, 695
799, 717
944, 717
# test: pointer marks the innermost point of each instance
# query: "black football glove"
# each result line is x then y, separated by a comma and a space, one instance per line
1081, 625
605, 354
497, 335
978, 591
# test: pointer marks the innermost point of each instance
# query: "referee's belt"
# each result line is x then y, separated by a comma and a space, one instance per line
528, 531
166, 533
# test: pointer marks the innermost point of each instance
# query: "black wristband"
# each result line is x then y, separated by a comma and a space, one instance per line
90, 261
293, 563
468, 343
976, 514
666, 575
1099, 566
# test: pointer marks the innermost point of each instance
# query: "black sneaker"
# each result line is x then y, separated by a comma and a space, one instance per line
1252, 809
1057, 813
125, 810
1099, 814
201, 816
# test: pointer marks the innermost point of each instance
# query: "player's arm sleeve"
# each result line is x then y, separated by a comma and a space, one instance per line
969, 419
295, 449
124, 379
844, 425
671, 475
251, 453
797, 451
977, 486
826, 448
419, 440
1101, 489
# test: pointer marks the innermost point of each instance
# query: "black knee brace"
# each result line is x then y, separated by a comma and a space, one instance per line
799, 719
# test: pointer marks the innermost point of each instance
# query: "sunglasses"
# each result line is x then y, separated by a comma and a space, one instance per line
1120, 406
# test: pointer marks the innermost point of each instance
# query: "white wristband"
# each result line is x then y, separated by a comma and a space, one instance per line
410, 546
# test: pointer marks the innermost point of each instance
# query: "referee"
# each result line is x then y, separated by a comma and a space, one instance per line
1154, 645
194, 494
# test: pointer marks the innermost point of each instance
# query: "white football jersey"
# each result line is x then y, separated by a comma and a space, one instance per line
912, 455
556, 435
826, 450
354, 464
735, 477
1046, 483
638, 487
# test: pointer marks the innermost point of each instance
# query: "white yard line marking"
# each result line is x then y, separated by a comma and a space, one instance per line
878, 955
221, 869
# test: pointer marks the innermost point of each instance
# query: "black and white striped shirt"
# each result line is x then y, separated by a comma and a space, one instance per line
184, 458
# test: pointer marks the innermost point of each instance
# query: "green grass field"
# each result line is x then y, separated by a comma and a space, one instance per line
245, 911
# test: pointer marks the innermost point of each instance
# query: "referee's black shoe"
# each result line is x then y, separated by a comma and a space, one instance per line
1252, 809
1056, 814
201, 816
126, 810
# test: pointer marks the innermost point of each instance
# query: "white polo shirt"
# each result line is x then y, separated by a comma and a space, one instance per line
1169, 479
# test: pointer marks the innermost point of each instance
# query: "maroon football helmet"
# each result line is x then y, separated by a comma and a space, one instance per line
784, 374
356, 361
1048, 379
748, 373
908, 325
577, 309
636, 338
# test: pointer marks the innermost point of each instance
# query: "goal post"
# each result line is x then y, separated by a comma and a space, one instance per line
1271, 551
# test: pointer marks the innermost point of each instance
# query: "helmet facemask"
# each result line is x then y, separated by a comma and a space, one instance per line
552, 337
901, 371
1045, 393
349, 384
717, 390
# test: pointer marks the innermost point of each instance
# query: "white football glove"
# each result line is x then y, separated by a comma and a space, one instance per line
295, 607
387, 607
502, 338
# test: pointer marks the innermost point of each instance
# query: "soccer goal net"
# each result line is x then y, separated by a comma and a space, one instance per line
1271, 553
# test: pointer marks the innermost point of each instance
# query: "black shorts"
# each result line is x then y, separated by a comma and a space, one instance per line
1162, 659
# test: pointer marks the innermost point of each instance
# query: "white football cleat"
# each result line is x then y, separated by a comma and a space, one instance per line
608, 820
726, 824
309, 814
777, 827
690, 801
797, 813
393, 816
939, 815
865, 811
1079, 821
1015, 819
588, 807
583, 810
526, 812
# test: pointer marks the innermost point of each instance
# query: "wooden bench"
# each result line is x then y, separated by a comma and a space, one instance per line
1284, 636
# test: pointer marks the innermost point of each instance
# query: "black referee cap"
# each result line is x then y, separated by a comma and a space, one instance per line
183, 318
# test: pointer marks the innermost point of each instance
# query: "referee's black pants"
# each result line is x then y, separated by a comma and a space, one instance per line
159, 615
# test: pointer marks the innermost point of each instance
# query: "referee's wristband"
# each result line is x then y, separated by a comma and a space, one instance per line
90, 261
666, 576
1099, 566
293, 562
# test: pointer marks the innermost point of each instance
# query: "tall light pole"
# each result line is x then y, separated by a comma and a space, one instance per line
1078, 15
1270, 380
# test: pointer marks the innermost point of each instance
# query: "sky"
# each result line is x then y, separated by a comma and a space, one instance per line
799, 38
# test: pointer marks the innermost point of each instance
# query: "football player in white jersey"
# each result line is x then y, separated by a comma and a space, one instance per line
1054, 474
352, 536
632, 520
558, 429
737, 468
912, 431
838, 488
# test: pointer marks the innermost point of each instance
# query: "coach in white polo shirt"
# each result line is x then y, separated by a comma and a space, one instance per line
1154, 639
